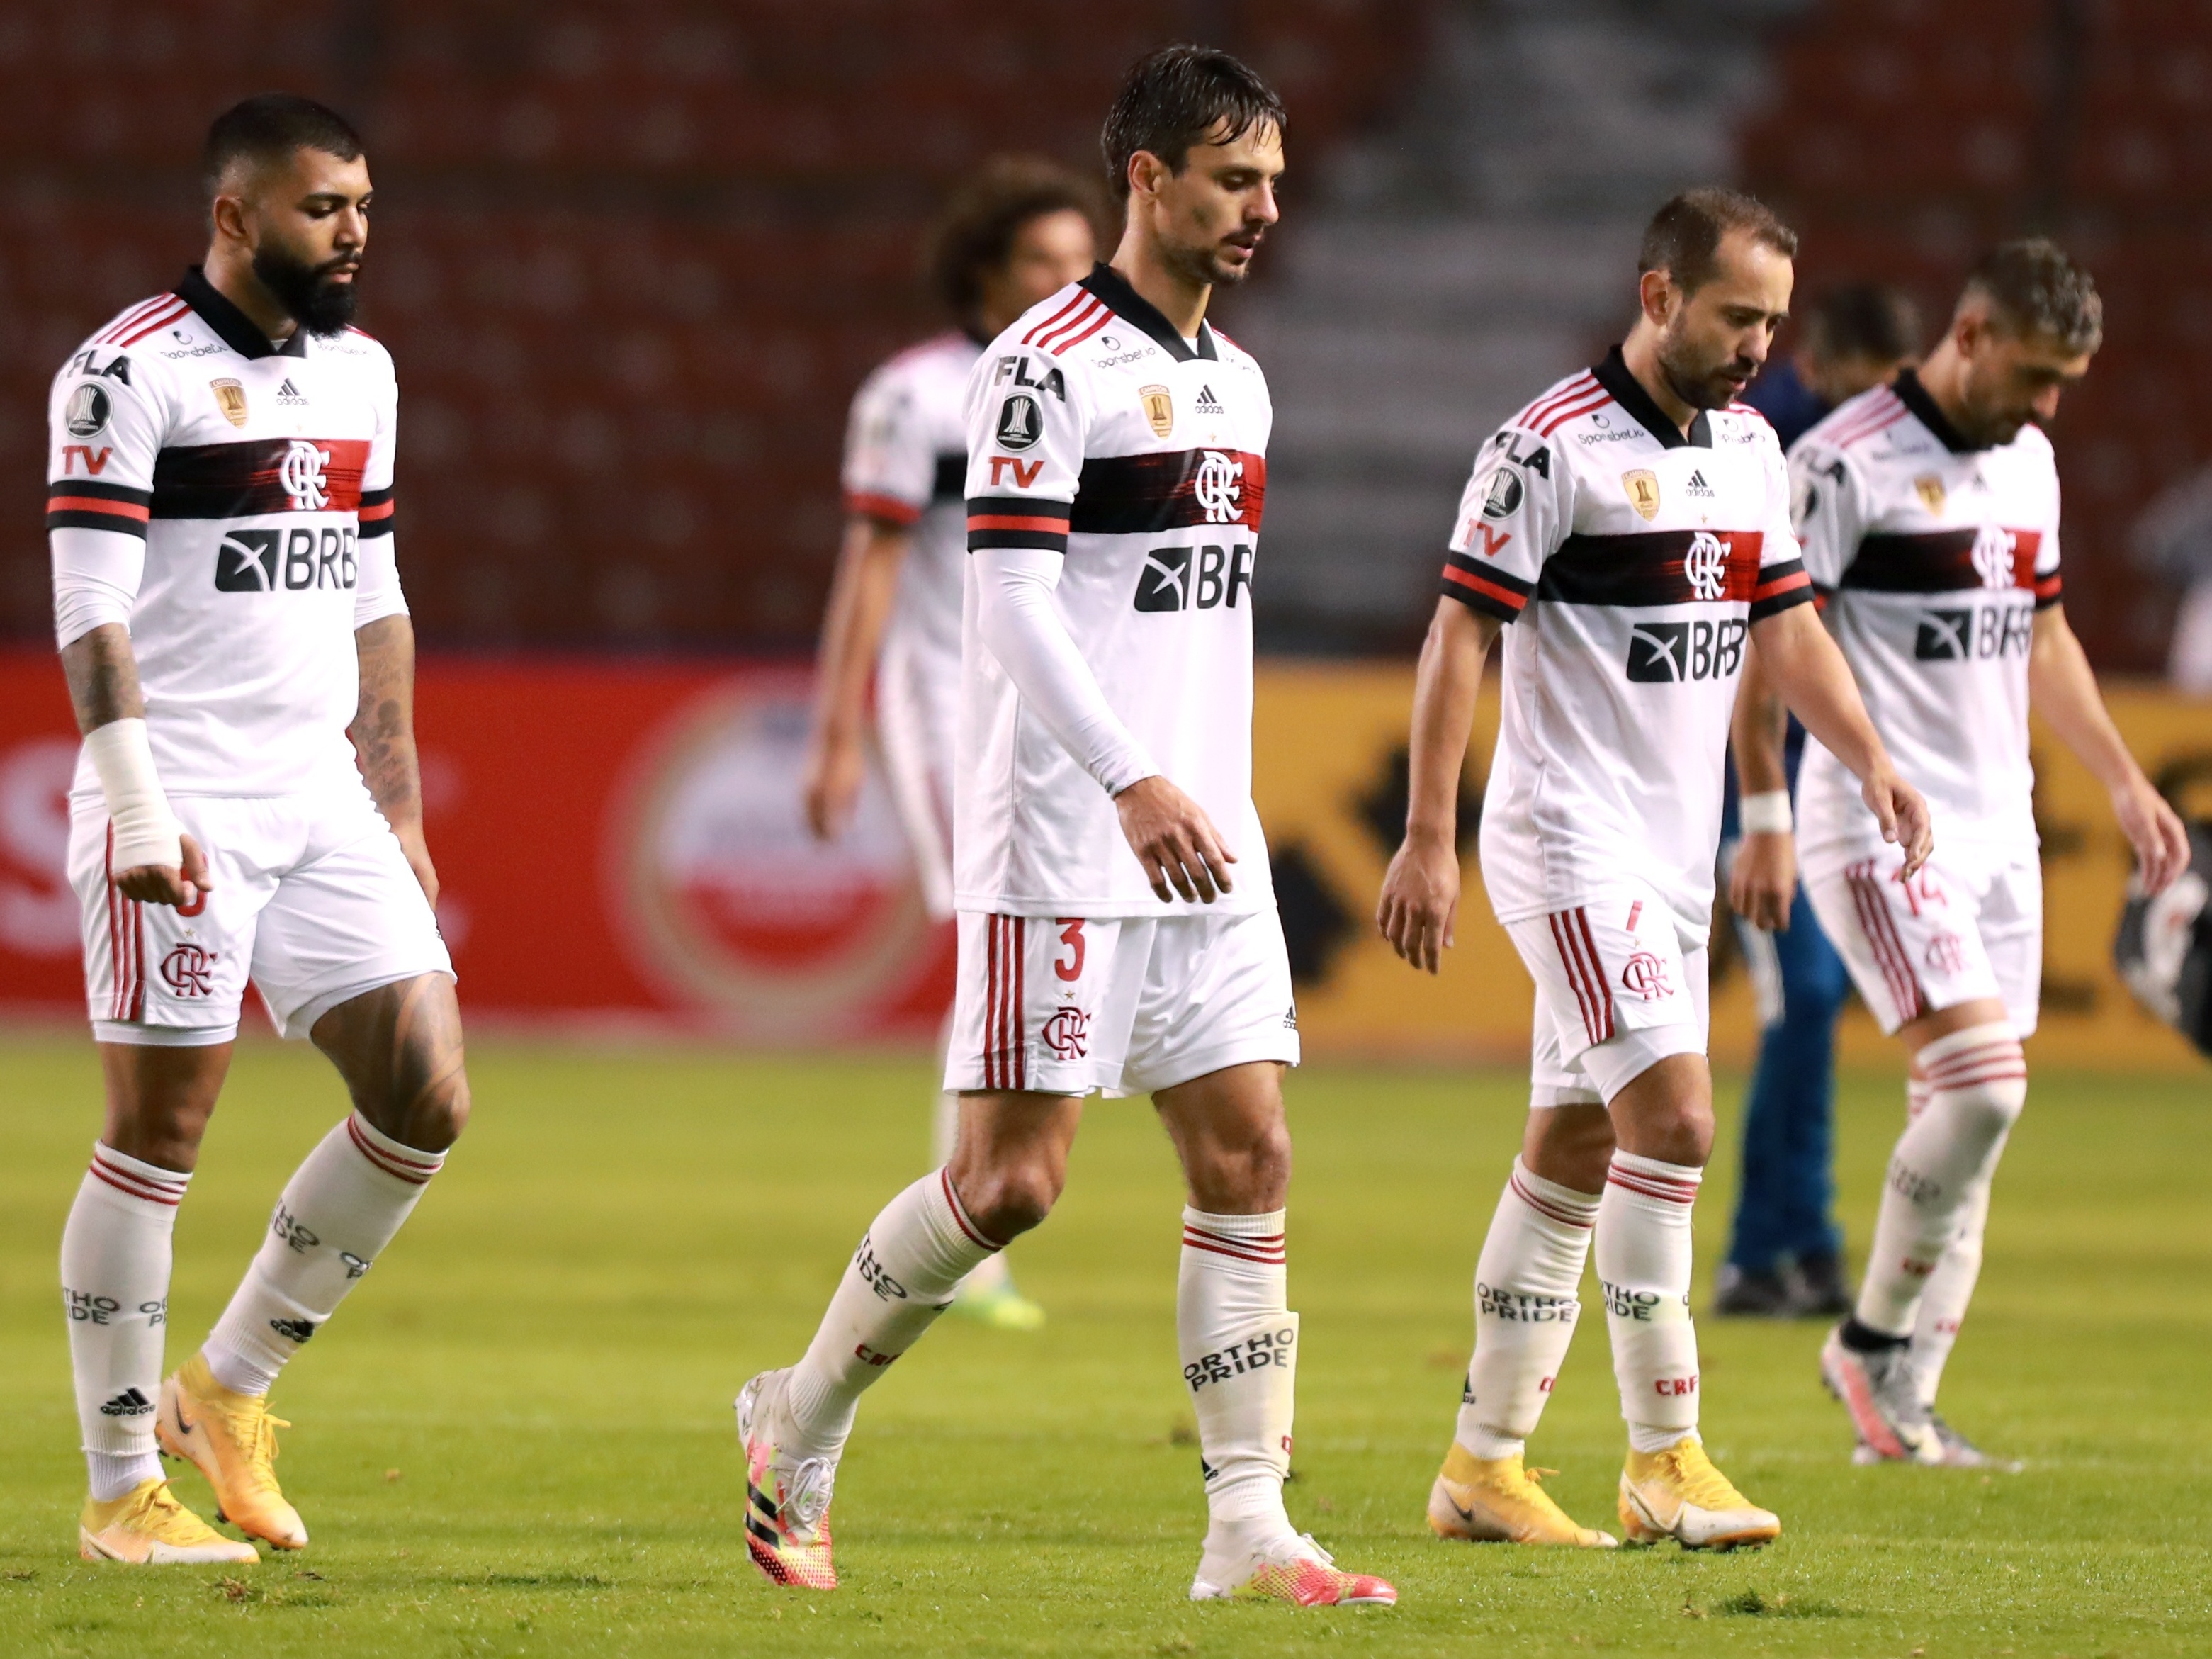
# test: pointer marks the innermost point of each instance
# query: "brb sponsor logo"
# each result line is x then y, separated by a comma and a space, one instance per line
726, 898
1975, 633
187, 970
1667, 653
290, 560
1193, 579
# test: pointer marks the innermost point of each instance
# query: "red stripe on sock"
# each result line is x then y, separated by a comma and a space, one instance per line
415, 1175
1546, 1207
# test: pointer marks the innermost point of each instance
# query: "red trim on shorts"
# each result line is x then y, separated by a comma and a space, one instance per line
1880, 930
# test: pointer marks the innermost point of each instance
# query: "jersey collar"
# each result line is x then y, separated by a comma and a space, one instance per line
1914, 396
233, 326
1628, 392
1124, 302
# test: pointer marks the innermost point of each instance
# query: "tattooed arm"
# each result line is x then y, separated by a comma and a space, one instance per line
383, 734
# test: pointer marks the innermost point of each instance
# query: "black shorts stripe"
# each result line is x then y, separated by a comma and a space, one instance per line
1144, 494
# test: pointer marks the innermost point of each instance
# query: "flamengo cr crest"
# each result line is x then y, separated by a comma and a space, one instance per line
1706, 565
186, 969
300, 473
1646, 975
1067, 1032
1993, 555
1218, 486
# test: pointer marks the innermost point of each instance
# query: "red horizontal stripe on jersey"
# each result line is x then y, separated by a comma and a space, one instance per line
861, 504
1781, 584
1007, 521
151, 324
1649, 567
246, 480
369, 514
1935, 562
1516, 602
1172, 489
95, 504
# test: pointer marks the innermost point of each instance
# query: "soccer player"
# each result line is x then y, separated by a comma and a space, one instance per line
1785, 1251
1631, 529
219, 506
1017, 232
1929, 515
1118, 930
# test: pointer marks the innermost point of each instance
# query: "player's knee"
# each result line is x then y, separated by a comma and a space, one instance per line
1011, 1198
1242, 1174
432, 1116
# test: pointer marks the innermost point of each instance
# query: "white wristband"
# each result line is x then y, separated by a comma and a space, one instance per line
146, 831
1765, 814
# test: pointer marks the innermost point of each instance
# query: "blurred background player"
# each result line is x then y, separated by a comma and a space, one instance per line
1017, 232
1785, 1249
1117, 472
229, 615
1631, 527
1928, 514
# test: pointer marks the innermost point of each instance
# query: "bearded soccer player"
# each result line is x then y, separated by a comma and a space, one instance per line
1928, 514
1118, 930
220, 513
1626, 532
1017, 232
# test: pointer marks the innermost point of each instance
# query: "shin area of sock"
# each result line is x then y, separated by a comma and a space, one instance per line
116, 1251
1643, 1263
1526, 1304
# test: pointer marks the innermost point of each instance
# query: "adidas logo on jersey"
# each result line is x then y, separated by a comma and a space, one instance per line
290, 395
1207, 403
128, 1403
1698, 486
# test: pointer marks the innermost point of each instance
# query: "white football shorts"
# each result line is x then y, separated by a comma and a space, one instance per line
1968, 926
311, 898
1124, 1005
917, 705
1619, 988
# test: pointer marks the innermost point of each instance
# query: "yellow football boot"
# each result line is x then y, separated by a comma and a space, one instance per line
232, 1438
1678, 1494
147, 1527
1497, 1501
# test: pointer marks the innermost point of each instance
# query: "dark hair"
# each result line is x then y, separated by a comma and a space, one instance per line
1179, 96
974, 231
1683, 237
2033, 288
269, 127
1863, 319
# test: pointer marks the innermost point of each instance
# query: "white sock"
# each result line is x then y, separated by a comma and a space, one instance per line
1525, 1308
1239, 1350
1643, 1269
338, 1212
1943, 1304
1978, 1083
115, 1290
910, 1260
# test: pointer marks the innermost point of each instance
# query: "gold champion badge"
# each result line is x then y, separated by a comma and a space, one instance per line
1930, 488
1159, 408
1643, 487
230, 397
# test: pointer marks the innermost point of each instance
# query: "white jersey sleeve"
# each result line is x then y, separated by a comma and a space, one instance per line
378, 594
1028, 421
1828, 510
891, 454
1513, 515
105, 428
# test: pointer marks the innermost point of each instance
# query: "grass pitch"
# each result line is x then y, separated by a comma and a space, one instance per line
516, 1438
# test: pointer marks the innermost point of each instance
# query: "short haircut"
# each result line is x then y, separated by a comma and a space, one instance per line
269, 126
1683, 237
1180, 96
974, 231
2031, 287
1863, 319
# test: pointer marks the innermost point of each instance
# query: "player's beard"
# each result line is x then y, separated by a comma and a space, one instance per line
1203, 265
306, 293
1702, 384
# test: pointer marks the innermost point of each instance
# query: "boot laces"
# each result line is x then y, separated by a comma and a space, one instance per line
1701, 1483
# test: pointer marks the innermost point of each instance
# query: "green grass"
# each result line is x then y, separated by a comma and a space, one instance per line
516, 1438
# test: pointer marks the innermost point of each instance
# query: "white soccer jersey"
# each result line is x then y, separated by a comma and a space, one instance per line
906, 463
259, 479
1633, 561
1933, 558
1096, 431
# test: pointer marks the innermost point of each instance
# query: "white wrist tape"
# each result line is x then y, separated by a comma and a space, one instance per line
146, 831
1765, 814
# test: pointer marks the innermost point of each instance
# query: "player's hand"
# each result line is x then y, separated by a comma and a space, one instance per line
168, 884
834, 768
1903, 811
418, 860
1420, 898
1763, 880
2154, 829
1173, 841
